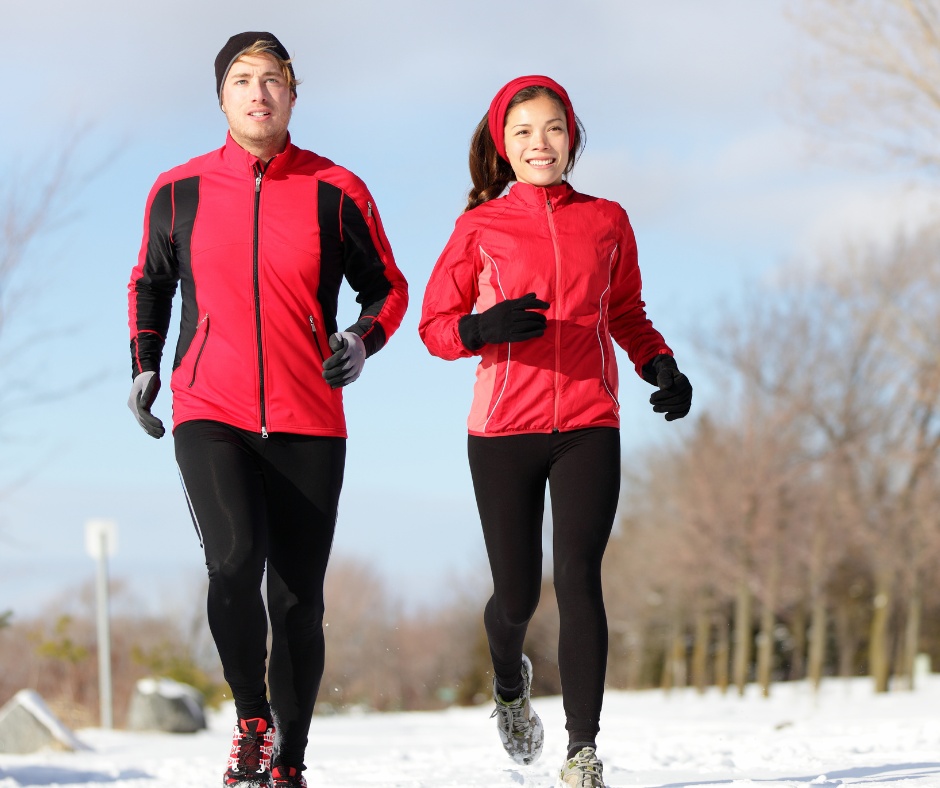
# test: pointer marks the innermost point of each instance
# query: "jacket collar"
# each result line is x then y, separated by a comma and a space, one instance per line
238, 158
535, 197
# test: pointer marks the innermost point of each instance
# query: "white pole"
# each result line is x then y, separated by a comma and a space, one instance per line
100, 538
104, 636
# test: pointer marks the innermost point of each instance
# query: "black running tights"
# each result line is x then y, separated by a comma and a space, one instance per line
265, 503
582, 469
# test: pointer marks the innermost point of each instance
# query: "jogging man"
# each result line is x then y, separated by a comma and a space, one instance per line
259, 236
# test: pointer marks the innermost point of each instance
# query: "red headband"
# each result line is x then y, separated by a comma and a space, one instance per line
499, 104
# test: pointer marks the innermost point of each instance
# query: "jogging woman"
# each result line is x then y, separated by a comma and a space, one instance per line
538, 282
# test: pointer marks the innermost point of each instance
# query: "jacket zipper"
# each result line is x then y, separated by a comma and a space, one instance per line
378, 235
259, 171
205, 338
316, 340
549, 211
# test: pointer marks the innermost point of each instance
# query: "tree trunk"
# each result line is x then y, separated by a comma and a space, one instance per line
765, 649
742, 636
817, 643
768, 621
878, 650
796, 670
912, 632
674, 669
722, 653
700, 649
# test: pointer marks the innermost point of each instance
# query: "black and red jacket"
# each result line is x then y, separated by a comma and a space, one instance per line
259, 253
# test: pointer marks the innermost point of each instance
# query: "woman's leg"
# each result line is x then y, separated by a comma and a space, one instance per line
509, 475
585, 486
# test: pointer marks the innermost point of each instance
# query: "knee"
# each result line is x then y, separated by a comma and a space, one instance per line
577, 579
301, 620
516, 612
241, 571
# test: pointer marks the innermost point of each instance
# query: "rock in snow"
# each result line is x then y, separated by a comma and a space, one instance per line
27, 725
166, 705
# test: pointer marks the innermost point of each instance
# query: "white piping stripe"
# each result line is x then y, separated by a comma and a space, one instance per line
508, 344
189, 504
600, 318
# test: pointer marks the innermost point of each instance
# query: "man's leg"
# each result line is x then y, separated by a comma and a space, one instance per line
303, 478
225, 491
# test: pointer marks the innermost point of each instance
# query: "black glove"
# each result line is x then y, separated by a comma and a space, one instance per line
674, 397
347, 361
507, 321
144, 391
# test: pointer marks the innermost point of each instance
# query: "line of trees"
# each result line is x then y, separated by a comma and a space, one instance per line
794, 532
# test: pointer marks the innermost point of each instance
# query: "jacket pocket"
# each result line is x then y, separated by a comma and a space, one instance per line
204, 326
316, 339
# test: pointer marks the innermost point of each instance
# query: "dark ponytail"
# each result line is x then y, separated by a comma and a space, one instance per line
489, 171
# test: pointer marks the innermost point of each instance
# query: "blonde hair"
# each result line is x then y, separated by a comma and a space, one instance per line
263, 47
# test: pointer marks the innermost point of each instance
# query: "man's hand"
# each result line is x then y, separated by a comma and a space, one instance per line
347, 361
674, 397
144, 391
508, 321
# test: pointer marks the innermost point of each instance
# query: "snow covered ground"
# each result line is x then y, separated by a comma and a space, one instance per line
845, 736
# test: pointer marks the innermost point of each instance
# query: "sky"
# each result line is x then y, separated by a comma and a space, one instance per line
844, 737
690, 111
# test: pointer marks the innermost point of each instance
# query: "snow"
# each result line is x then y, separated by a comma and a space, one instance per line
844, 736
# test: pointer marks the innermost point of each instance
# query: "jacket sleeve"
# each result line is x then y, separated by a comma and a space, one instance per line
450, 294
153, 283
370, 269
626, 312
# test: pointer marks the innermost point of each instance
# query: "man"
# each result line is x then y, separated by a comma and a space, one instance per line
259, 235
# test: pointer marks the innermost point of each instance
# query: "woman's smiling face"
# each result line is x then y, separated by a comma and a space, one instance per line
537, 141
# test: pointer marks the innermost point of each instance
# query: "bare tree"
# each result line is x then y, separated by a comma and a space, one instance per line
874, 81
37, 200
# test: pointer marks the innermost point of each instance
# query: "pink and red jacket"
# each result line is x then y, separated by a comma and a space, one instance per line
579, 254
259, 254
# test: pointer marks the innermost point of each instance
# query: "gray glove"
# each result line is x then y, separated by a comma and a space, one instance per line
143, 393
347, 361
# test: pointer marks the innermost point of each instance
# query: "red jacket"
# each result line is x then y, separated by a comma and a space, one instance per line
579, 254
259, 254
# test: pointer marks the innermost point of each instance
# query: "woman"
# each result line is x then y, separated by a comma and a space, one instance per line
538, 282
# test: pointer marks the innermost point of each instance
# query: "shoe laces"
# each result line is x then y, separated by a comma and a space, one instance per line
513, 715
252, 746
589, 768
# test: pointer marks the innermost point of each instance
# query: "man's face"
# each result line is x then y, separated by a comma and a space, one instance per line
257, 101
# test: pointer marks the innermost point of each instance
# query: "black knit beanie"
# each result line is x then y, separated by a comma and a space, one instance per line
238, 44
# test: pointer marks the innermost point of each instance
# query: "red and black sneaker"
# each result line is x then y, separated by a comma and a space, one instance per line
249, 763
288, 777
